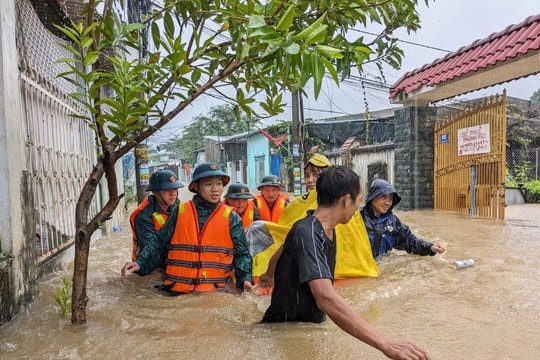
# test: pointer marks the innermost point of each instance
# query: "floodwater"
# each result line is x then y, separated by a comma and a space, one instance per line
488, 311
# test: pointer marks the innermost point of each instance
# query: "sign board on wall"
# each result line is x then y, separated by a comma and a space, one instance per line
474, 140
445, 138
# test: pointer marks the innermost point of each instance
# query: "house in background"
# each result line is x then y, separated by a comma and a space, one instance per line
229, 152
262, 159
246, 157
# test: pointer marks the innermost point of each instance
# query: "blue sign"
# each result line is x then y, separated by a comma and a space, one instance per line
445, 138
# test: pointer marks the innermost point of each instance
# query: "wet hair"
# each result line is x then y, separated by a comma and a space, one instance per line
314, 169
335, 182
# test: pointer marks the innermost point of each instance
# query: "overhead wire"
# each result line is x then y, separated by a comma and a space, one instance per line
364, 83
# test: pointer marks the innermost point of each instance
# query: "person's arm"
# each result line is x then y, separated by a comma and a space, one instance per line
256, 214
243, 262
152, 253
348, 319
267, 279
407, 241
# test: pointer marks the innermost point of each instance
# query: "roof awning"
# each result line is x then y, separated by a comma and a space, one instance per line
510, 54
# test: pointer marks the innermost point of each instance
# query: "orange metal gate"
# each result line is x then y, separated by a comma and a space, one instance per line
470, 156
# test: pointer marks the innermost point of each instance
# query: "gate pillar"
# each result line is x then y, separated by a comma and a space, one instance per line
413, 141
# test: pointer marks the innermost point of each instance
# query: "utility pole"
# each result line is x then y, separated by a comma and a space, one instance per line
297, 146
136, 9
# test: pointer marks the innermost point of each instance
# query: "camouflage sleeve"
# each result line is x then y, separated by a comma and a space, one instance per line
242, 257
151, 252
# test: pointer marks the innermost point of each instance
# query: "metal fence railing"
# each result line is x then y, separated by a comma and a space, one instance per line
523, 165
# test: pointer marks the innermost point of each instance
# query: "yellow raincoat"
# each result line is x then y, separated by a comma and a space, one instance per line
353, 257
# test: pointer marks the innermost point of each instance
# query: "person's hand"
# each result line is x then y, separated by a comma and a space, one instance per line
437, 248
266, 281
404, 351
248, 286
130, 267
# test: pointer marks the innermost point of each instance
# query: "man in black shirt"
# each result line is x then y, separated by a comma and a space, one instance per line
304, 274
307, 254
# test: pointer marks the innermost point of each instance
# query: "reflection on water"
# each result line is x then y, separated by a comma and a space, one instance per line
489, 311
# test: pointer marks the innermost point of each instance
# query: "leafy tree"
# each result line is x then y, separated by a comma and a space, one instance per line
222, 120
535, 96
200, 47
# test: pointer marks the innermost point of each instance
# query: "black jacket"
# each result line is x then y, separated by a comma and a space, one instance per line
387, 232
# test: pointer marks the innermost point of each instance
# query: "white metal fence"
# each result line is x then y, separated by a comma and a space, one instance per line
60, 149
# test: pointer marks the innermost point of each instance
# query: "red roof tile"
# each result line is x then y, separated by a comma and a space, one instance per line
348, 143
509, 43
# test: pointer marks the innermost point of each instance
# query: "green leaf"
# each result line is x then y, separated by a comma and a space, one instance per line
329, 51
318, 35
195, 76
245, 51
292, 49
72, 50
256, 21
287, 19
156, 35
86, 42
331, 69
90, 58
71, 33
169, 24
318, 74
272, 37
311, 28
263, 30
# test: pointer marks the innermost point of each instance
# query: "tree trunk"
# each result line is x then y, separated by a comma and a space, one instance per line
80, 275
85, 227
83, 233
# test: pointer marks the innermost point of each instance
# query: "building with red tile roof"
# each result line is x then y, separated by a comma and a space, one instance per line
506, 55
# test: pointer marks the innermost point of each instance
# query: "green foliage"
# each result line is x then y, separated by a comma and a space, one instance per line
521, 172
533, 188
535, 96
130, 195
258, 47
62, 297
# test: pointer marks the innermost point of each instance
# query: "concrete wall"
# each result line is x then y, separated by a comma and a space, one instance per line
513, 196
18, 279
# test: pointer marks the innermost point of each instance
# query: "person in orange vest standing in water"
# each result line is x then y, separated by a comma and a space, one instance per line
271, 202
148, 251
238, 197
208, 246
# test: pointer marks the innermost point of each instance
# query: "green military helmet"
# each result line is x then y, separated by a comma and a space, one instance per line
270, 180
206, 170
163, 180
238, 191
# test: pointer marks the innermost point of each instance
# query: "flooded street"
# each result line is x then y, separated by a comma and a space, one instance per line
488, 311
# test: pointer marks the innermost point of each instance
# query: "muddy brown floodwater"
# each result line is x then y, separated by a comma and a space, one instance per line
488, 311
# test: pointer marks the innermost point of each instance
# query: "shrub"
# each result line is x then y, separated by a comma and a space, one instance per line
533, 190
62, 297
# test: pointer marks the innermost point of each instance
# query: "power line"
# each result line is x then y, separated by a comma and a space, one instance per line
405, 41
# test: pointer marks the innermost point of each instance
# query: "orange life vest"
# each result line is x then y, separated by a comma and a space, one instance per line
271, 214
200, 260
158, 218
248, 214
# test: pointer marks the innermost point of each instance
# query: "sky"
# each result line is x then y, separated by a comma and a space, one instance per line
447, 25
